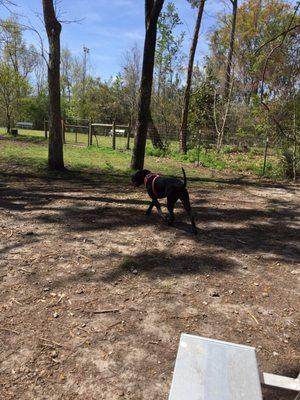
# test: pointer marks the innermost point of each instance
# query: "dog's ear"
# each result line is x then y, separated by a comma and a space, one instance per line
138, 178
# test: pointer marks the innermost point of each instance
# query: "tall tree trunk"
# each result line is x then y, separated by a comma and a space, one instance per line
186, 99
53, 28
231, 49
152, 11
153, 133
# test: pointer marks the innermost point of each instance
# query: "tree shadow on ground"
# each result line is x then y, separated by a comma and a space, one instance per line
25, 139
158, 264
154, 265
22, 241
242, 230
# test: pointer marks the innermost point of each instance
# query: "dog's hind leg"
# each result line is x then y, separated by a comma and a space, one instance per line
170, 205
157, 205
187, 206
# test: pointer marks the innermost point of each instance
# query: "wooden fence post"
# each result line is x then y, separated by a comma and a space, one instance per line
46, 128
90, 135
198, 149
265, 156
114, 135
128, 137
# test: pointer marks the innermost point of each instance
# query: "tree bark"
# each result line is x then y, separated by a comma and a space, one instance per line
231, 49
154, 134
53, 28
152, 11
186, 99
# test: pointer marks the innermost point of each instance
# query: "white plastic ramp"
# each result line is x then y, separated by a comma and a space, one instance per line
208, 369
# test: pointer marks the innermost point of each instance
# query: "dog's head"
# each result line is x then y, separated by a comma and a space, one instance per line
138, 177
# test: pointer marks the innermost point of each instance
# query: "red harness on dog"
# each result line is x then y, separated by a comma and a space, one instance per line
151, 178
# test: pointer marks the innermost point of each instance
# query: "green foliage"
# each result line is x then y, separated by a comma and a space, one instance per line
257, 22
13, 87
168, 51
34, 109
103, 101
289, 161
201, 105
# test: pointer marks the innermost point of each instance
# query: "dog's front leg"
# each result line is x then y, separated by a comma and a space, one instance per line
157, 205
148, 212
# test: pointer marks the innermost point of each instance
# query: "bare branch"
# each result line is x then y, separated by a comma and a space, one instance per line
277, 36
31, 28
277, 123
7, 3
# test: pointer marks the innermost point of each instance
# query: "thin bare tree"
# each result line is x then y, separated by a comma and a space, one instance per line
231, 50
53, 29
228, 87
187, 91
152, 11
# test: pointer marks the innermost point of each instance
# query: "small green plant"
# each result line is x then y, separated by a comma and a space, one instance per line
128, 264
288, 163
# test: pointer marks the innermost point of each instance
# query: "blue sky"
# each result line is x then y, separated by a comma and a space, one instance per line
110, 27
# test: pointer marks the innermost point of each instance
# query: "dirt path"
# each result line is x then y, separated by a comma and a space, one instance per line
71, 249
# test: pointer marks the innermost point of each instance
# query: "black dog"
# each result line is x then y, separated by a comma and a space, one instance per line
159, 187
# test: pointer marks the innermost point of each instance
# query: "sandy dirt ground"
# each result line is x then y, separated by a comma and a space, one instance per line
94, 295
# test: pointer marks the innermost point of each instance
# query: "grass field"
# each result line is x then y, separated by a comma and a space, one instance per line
30, 147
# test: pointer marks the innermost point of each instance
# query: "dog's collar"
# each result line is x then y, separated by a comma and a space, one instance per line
154, 177
147, 177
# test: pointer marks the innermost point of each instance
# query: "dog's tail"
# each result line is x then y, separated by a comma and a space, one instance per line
184, 177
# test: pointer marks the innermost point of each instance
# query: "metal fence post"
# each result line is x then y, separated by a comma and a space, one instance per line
265, 156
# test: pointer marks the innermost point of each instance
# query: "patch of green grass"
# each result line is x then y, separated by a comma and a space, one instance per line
81, 158
272, 210
128, 264
30, 148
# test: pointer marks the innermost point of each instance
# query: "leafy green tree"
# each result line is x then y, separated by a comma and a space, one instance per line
167, 92
66, 79
14, 50
201, 105
168, 54
13, 87
130, 76
34, 108
257, 22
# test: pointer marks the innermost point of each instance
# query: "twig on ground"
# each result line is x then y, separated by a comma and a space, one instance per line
102, 311
252, 316
53, 342
10, 330
146, 294
115, 324
16, 301
25, 270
